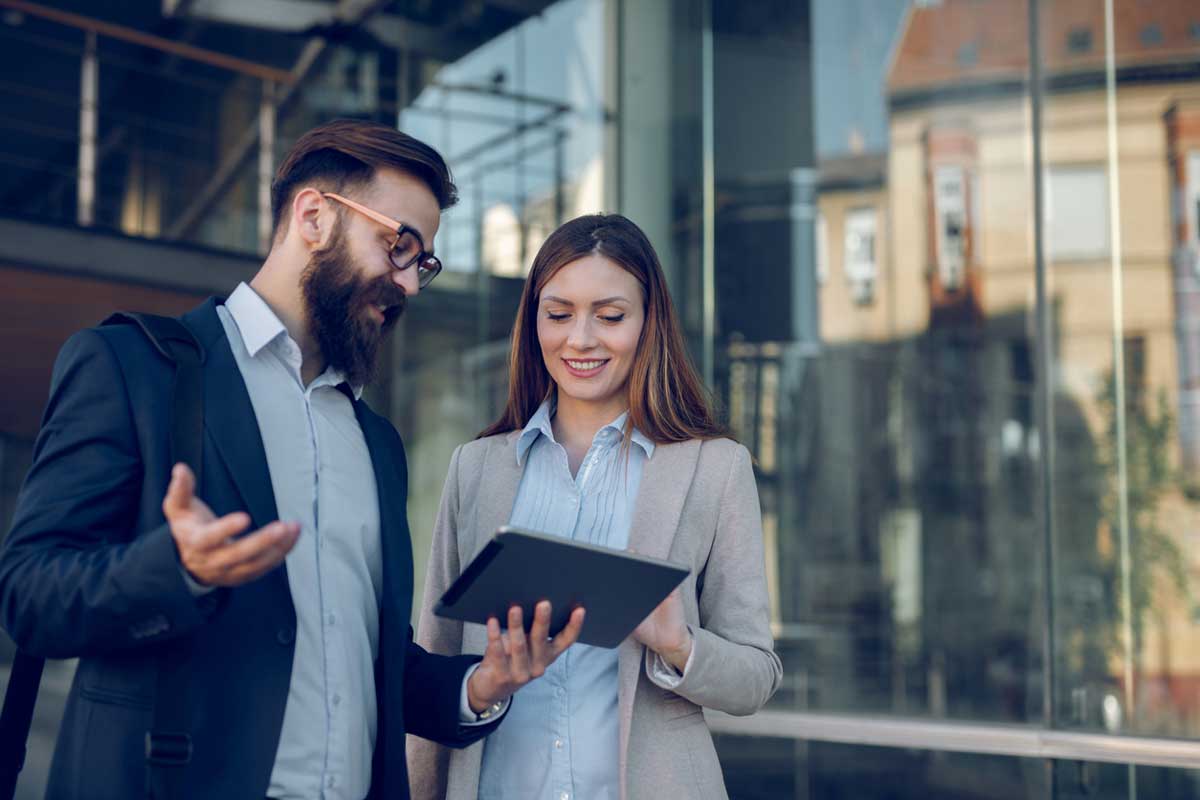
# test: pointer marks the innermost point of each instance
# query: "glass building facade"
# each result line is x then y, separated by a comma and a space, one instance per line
939, 260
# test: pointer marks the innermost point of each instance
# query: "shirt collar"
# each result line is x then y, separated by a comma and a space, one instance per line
539, 425
260, 327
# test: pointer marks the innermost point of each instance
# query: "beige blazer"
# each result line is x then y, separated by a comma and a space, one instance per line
697, 504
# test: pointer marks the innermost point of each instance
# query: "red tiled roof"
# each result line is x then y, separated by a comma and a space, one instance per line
964, 41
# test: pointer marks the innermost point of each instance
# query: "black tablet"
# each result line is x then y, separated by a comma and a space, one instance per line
617, 589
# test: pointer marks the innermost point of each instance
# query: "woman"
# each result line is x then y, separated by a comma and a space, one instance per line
608, 438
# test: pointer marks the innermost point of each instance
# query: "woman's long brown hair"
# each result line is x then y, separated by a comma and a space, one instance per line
667, 400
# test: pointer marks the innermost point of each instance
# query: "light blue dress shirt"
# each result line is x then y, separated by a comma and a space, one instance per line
561, 738
321, 477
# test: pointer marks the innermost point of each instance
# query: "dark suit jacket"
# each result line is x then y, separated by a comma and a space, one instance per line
90, 570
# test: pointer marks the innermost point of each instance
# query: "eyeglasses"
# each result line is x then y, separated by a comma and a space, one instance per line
406, 250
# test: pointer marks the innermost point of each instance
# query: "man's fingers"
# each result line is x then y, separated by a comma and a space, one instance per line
570, 634
217, 533
265, 559
179, 490
267, 545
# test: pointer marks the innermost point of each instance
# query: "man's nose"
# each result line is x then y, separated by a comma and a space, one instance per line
407, 280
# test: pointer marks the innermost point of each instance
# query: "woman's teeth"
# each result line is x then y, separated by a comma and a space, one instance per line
584, 366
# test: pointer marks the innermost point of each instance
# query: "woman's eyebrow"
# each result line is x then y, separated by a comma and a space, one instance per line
606, 301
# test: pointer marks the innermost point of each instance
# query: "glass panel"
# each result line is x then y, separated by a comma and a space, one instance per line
1080, 780
1122, 278
758, 769
897, 443
522, 121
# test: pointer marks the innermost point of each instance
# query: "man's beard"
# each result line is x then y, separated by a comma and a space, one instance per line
337, 298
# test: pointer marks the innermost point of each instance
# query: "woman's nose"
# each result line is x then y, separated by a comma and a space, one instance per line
581, 336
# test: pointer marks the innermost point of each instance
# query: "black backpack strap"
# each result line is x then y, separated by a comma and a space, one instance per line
168, 743
174, 340
169, 740
16, 718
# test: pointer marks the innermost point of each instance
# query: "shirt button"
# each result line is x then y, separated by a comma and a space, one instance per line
558, 744
564, 796
337, 699
331, 619
331, 782
285, 636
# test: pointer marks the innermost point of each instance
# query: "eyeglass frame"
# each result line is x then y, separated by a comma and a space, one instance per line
422, 257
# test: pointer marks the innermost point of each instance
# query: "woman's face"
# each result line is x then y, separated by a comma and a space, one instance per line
589, 321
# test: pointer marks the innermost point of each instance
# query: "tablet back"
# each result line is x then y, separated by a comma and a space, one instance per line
618, 589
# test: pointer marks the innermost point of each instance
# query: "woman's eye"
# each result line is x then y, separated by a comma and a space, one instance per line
556, 317
615, 318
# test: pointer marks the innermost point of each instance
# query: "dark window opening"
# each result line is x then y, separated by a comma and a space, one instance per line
1079, 40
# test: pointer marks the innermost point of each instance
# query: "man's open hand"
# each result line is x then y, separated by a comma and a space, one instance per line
206, 545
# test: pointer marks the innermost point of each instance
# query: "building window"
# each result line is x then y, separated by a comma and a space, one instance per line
822, 250
950, 213
1077, 213
1079, 40
1191, 206
1152, 34
968, 54
860, 254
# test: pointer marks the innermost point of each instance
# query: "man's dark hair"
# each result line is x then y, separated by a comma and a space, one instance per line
344, 154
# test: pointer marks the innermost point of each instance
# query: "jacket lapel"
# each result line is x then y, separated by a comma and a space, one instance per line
497, 490
229, 419
391, 486
664, 487
500, 478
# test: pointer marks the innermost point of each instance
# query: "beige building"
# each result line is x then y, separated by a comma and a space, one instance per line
937, 234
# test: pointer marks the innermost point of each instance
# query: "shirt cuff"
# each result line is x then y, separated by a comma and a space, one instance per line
662, 673
468, 717
197, 589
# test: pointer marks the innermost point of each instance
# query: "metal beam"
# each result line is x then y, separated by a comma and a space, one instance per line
528, 8
89, 89
347, 12
961, 737
242, 148
122, 33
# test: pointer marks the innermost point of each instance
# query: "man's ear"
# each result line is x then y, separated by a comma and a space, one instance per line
312, 218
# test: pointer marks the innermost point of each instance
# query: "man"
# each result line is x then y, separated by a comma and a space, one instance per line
278, 601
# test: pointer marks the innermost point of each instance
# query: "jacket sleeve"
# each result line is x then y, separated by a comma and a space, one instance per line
734, 668
76, 576
428, 762
433, 695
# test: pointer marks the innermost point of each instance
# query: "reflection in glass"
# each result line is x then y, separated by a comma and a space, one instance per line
1117, 136
766, 769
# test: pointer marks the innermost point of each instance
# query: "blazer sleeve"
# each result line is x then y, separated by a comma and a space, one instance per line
432, 697
428, 762
76, 576
734, 668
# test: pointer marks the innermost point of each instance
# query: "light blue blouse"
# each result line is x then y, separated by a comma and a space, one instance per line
560, 740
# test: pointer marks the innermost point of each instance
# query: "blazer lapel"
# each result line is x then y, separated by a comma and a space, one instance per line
497, 490
391, 485
229, 418
665, 481
494, 497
